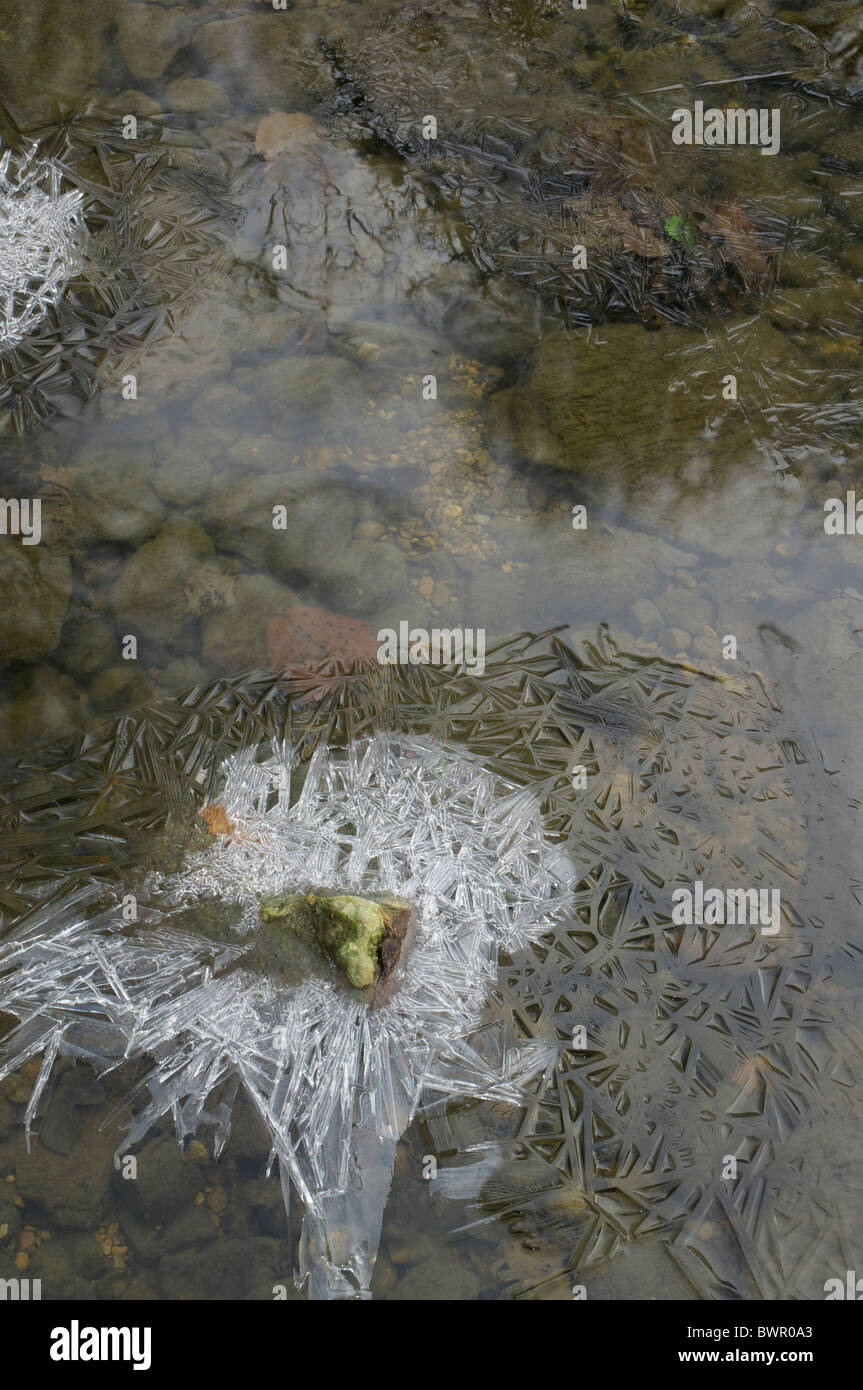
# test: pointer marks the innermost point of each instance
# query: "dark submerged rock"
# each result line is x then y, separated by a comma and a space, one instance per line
540, 149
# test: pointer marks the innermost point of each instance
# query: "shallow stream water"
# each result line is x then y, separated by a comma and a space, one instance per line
373, 387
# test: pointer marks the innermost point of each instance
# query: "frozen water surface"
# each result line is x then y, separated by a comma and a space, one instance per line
280, 256
543, 910
107, 237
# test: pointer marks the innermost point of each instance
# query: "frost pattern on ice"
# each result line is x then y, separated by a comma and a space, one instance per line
40, 237
105, 244
336, 1081
701, 1043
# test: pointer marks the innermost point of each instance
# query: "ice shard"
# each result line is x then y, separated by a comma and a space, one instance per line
40, 242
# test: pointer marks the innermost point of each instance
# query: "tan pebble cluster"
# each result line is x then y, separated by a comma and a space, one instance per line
110, 1242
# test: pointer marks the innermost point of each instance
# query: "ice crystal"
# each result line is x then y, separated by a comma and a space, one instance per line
40, 230
593, 173
334, 1079
104, 244
701, 1043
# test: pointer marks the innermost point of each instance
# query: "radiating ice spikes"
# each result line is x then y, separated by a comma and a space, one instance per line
690, 777
391, 813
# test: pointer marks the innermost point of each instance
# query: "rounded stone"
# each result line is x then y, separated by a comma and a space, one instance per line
36, 583
234, 639
150, 592
183, 478
194, 94
437, 1280
165, 1183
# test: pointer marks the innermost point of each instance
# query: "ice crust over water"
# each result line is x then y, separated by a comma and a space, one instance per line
40, 237
335, 1081
701, 1043
106, 243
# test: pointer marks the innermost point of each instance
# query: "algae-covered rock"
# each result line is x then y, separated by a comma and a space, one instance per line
260, 55
366, 575
195, 94
148, 39
50, 50
119, 688
46, 705
115, 500
234, 638
75, 1254
310, 392
618, 406
316, 534
89, 644
150, 593
183, 478
166, 1183
439, 1280
244, 1267
72, 1193
36, 583
351, 930
362, 937
240, 519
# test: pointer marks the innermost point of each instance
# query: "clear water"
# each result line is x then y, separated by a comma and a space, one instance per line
298, 383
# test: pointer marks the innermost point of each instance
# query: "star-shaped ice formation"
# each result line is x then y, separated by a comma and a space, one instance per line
335, 1079
700, 1043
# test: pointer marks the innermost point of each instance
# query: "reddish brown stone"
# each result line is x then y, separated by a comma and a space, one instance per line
304, 634
317, 650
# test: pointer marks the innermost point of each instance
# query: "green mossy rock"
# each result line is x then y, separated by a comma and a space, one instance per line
351, 930
360, 936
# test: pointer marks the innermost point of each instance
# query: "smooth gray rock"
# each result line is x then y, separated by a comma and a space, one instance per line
166, 1183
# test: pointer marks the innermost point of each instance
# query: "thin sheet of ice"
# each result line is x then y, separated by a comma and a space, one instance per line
335, 1081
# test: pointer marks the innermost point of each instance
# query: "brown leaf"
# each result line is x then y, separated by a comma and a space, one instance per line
216, 819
